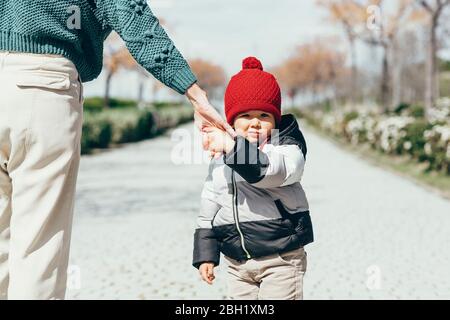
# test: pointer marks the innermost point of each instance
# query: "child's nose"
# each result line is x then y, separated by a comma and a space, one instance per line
255, 122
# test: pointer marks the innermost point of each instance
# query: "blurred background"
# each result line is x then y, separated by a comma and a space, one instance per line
369, 81
372, 57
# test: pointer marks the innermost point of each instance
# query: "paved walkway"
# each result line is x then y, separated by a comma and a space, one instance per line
378, 236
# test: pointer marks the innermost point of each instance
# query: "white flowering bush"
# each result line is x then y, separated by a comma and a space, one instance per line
331, 122
361, 129
441, 112
404, 131
413, 140
389, 132
437, 147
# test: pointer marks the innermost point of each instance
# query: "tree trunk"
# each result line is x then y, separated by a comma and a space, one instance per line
431, 89
385, 85
354, 71
154, 90
107, 90
397, 68
292, 93
140, 91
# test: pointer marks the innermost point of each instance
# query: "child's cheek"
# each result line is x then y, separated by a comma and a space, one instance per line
241, 132
267, 133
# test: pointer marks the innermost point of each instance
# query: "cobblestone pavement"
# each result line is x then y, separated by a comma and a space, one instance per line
377, 235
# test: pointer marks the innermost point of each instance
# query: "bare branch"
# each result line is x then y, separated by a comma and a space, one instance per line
426, 6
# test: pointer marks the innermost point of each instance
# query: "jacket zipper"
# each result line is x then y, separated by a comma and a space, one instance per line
235, 214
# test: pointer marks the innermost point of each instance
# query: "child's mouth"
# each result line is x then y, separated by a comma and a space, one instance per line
254, 133
253, 136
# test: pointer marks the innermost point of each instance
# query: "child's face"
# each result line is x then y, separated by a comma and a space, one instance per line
254, 125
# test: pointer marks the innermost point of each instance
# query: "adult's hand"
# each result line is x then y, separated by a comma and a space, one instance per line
219, 142
205, 116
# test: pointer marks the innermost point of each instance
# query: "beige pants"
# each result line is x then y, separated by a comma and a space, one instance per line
274, 277
40, 127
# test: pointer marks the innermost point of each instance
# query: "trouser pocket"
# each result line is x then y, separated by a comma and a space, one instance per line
44, 79
296, 257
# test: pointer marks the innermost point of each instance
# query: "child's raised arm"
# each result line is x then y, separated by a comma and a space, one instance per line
278, 166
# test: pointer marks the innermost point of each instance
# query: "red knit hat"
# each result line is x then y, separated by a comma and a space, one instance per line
252, 89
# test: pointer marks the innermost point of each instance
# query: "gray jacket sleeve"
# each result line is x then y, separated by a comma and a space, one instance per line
206, 247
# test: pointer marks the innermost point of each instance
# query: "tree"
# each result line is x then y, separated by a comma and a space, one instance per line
116, 56
313, 67
210, 76
142, 77
408, 67
349, 15
291, 77
434, 10
384, 36
364, 20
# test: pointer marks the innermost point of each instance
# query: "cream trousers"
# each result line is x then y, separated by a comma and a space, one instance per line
41, 119
273, 277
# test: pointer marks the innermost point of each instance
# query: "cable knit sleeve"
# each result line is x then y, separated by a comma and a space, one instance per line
148, 42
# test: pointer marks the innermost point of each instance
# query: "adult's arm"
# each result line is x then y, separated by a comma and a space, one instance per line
148, 42
152, 48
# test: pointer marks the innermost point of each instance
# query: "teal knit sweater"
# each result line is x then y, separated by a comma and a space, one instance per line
53, 27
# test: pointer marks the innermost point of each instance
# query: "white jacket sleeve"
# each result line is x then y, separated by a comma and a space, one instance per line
285, 167
276, 166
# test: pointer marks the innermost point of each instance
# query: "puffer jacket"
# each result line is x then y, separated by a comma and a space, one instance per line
252, 202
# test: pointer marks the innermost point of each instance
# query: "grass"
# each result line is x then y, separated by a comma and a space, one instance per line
401, 165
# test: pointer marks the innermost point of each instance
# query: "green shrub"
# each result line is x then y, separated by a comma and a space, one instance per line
97, 133
415, 135
122, 125
444, 65
417, 111
169, 117
130, 125
444, 84
146, 125
96, 104
350, 116
326, 106
401, 107
161, 104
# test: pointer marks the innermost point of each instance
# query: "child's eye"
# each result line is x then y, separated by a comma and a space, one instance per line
244, 115
264, 115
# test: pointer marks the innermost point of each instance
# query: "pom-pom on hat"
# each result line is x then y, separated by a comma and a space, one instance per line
252, 89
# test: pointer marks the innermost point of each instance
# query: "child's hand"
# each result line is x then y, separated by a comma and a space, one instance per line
207, 272
219, 141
